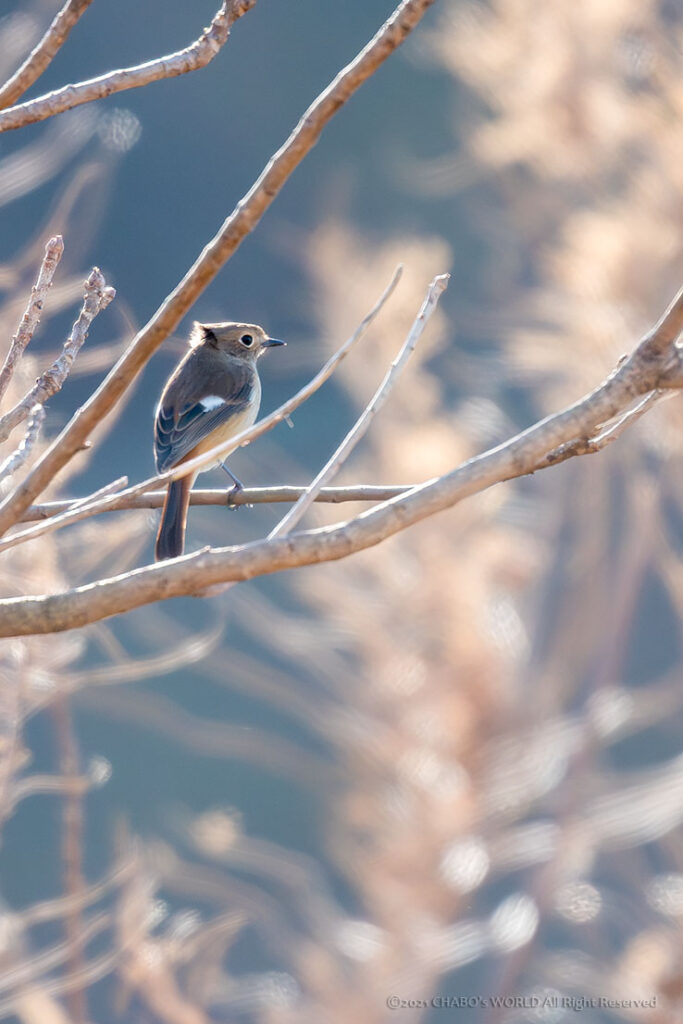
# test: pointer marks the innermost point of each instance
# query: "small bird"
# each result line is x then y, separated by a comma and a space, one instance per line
213, 394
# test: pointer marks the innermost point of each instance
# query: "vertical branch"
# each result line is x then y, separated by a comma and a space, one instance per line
97, 297
72, 852
31, 318
21, 453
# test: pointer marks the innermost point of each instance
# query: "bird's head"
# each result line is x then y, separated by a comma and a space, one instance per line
246, 341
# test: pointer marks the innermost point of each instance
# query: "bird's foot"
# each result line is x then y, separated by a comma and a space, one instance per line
235, 490
231, 501
232, 495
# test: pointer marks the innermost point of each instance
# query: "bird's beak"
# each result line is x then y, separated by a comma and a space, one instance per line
272, 342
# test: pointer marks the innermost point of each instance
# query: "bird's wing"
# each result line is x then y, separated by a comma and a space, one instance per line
184, 419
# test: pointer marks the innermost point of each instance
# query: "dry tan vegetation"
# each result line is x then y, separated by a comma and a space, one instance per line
478, 685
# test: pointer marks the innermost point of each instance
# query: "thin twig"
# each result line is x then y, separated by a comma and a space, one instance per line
42, 54
95, 969
33, 969
219, 496
93, 504
20, 454
53, 909
211, 738
593, 445
334, 464
189, 651
112, 488
633, 378
31, 318
97, 297
193, 57
50, 785
214, 255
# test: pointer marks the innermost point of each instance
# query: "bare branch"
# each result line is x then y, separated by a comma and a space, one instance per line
41, 55
334, 464
189, 651
31, 318
49, 784
666, 330
72, 849
101, 492
19, 456
31, 970
193, 57
52, 909
97, 297
219, 496
95, 503
215, 254
22, 1000
636, 376
593, 445
212, 738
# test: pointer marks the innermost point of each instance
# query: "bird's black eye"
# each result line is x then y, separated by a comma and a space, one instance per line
247, 340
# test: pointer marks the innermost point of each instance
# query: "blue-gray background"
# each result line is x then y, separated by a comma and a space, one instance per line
204, 138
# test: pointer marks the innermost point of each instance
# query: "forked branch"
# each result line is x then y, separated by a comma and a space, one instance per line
41, 55
193, 57
216, 253
655, 363
104, 500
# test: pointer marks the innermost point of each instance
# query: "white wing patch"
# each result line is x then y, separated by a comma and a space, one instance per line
211, 402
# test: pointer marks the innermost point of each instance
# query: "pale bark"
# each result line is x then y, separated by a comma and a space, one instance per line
215, 254
655, 363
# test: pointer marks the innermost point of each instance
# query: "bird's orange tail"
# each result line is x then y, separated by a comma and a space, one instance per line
171, 535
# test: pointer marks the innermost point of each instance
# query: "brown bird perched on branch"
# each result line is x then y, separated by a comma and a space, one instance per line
213, 394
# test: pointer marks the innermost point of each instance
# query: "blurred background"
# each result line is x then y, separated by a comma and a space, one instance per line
447, 769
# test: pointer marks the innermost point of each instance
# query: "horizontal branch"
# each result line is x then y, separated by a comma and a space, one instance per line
227, 496
634, 377
523, 454
234, 230
193, 57
102, 500
41, 55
